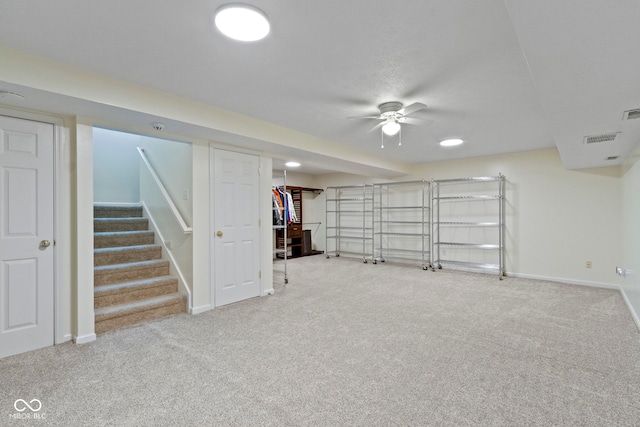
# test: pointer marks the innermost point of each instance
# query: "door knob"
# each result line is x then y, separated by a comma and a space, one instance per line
219, 234
45, 244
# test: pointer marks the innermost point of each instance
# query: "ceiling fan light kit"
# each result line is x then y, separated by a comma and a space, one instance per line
391, 127
394, 114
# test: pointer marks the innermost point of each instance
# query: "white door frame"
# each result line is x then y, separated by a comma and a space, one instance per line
61, 310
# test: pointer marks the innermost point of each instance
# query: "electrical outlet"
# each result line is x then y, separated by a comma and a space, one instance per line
588, 265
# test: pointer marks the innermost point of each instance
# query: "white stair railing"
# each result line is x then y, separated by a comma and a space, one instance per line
176, 213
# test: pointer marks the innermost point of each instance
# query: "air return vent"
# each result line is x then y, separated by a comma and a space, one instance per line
612, 158
596, 139
631, 114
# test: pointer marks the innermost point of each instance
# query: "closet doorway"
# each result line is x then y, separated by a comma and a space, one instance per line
235, 228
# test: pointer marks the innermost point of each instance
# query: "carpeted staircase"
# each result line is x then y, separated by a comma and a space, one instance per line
132, 281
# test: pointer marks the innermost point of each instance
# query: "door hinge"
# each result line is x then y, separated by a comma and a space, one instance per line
260, 274
259, 223
259, 171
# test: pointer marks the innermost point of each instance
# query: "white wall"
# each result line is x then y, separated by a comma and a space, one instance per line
173, 164
556, 219
83, 311
631, 233
115, 167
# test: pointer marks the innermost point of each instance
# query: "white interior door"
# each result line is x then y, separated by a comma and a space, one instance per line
26, 236
236, 234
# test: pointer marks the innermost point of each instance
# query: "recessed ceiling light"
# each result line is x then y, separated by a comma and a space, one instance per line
242, 22
451, 142
292, 164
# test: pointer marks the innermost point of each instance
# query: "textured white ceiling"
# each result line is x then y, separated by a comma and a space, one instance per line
506, 76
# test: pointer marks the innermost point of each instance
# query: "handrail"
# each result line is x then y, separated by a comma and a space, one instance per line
185, 228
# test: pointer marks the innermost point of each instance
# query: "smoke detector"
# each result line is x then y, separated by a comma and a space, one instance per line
159, 126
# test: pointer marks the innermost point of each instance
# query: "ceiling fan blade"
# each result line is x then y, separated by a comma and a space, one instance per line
409, 109
378, 126
410, 121
364, 117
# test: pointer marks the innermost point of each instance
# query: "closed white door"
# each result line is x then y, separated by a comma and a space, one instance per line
236, 235
26, 236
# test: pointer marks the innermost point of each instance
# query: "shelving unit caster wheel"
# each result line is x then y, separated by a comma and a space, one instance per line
364, 260
375, 261
337, 255
425, 267
286, 281
439, 266
327, 256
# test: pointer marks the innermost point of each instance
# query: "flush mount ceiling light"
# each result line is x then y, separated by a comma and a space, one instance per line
242, 22
451, 142
292, 164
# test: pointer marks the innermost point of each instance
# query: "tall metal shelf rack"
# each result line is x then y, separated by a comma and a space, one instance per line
468, 223
401, 219
280, 248
348, 221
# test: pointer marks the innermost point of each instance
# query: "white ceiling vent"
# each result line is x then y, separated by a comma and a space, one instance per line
631, 114
605, 137
612, 158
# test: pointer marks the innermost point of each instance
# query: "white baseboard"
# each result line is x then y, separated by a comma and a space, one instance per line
201, 309
268, 292
568, 281
634, 315
83, 339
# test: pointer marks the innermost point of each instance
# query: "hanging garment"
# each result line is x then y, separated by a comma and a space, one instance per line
284, 204
291, 208
277, 216
277, 195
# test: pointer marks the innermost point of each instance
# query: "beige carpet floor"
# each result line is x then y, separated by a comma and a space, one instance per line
347, 343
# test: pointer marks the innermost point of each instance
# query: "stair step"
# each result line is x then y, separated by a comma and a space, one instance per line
116, 211
120, 224
118, 273
123, 238
113, 317
126, 254
128, 292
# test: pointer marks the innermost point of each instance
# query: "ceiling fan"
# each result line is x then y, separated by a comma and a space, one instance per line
392, 115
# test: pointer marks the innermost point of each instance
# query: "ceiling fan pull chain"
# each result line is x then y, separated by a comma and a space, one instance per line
400, 136
381, 139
